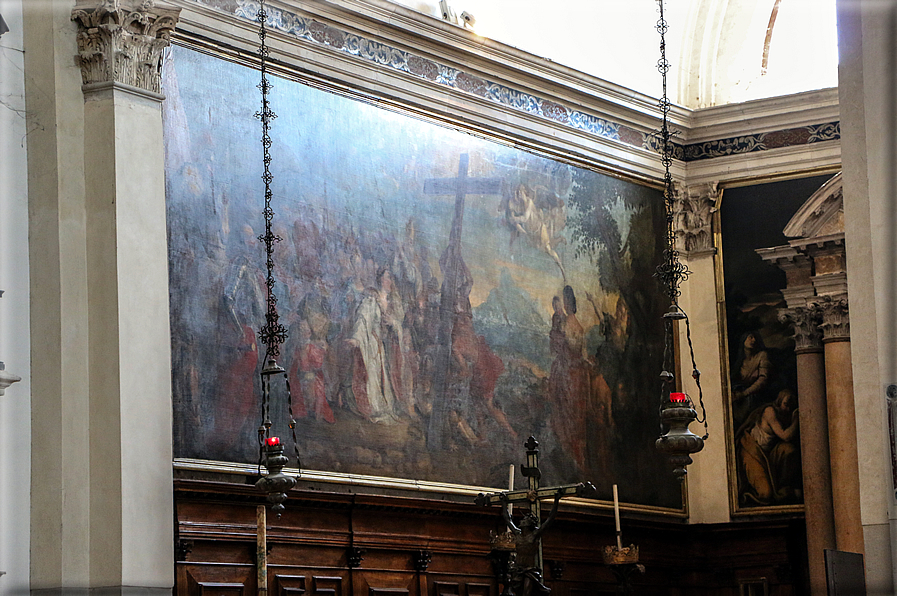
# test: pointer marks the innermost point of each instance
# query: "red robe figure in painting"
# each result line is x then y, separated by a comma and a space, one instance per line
486, 370
235, 410
464, 356
568, 382
238, 399
309, 372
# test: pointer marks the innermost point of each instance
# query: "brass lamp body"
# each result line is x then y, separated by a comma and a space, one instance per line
275, 482
679, 442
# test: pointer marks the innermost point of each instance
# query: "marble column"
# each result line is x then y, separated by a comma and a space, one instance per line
842, 424
814, 441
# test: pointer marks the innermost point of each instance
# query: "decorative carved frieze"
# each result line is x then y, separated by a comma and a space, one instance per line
805, 323
121, 41
835, 319
692, 217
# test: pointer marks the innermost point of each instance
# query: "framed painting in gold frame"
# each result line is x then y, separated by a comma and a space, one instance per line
555, 312
758, 363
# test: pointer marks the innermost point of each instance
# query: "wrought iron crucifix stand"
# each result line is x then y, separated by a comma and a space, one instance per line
533, 494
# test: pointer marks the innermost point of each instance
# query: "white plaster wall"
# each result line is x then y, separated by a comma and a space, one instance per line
715, 47
708, 499
867, 126
15, 416
583, 34
60, 406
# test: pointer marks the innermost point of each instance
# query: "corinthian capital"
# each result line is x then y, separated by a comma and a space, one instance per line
121, 41
693, 212
805, 324
835, 319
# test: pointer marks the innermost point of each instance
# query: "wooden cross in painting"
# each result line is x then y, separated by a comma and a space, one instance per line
533, 494
455, 291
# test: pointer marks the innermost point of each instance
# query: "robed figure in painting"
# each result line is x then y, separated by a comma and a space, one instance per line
372, 387
568, 382
750, 375
241, 309
768, 453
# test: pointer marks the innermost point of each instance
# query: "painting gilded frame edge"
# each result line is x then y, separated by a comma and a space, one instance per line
185, 464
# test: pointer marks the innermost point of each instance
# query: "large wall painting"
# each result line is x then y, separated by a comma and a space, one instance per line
446, 296
763, 438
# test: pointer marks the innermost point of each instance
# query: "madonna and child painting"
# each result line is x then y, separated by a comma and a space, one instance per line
446, 296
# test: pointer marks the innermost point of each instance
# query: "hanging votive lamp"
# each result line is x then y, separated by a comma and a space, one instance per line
679, 442
676, 408
271, 449
275, 482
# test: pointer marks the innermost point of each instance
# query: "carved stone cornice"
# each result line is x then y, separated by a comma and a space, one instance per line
692, 216
835, 319
121, 41
805, 323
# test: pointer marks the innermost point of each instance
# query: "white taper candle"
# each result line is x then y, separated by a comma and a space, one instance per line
617, 518
510, 487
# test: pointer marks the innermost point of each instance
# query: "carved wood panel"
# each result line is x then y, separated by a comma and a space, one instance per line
309, 547
478, 589
289, 585
387, 591
218, 581
327, 586
219, 589
469, 586
446, 589
384, 582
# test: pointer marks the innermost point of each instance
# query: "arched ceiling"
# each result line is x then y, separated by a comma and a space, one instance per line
722, 51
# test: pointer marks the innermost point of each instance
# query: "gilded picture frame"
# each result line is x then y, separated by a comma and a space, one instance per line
758, 363
556, 327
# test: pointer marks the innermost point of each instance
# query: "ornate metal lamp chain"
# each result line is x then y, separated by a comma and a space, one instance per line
671, 271
272, 334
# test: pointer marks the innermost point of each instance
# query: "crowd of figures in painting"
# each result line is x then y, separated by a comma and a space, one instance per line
522, 304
